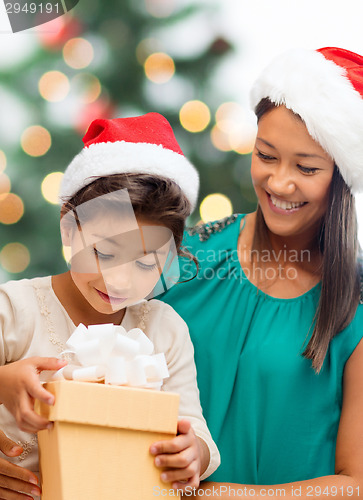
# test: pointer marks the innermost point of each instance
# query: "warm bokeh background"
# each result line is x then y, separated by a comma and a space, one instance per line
191, 60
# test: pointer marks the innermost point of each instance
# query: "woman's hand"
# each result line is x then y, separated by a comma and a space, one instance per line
180, 458
16, 483
20, 385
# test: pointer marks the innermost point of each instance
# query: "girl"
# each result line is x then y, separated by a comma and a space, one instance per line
280, 332
125, 200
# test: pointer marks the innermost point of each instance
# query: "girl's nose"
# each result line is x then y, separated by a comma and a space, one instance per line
281, 182
118, 278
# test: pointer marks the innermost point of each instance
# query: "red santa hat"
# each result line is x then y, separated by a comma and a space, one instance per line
324, 87
143, 144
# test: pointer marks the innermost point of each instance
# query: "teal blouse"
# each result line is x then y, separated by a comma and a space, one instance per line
273, 419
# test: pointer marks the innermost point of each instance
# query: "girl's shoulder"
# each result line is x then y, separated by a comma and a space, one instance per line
17, 289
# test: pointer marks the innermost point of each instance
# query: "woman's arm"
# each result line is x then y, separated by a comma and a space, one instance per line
16, 483
348, 479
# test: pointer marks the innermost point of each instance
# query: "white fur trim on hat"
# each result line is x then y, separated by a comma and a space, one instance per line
109, 158
320, 92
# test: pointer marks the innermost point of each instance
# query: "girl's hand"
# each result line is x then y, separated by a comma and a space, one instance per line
16, 483
180, 457
20, 385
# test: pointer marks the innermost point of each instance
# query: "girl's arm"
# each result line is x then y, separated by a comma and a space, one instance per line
185, 458
192, 454
348, 479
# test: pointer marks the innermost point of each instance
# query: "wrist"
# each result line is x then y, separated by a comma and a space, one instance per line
204, 455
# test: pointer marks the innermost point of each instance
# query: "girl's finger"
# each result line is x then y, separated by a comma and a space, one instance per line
37, 391
170, 476
41, 363
176, 460
28, 420
174, 445
187, 485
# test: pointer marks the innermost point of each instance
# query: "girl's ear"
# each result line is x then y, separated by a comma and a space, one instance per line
67, 222
65, 234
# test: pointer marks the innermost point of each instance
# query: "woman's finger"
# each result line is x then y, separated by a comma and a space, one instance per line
17, 473
8, 447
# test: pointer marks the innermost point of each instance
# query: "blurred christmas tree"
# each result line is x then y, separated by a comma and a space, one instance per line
106, 60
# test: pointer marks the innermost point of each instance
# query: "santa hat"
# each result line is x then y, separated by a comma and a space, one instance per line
142, 144
324, 87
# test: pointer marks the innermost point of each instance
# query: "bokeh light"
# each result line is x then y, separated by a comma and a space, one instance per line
50, 187
243, 139
215, 206
5, 184
145, 48
88, 87
54, 86
14, 257
195, 116
160, 8
220, 139
2, 161
234, 129
159, 67
78, 53
11, 208
67, 253
36, 140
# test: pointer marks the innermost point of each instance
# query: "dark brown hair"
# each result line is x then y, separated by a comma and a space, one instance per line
340, 272
154, 198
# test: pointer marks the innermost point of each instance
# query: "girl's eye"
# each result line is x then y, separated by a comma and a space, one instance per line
307, 170
264, 157
145, 267
102, 256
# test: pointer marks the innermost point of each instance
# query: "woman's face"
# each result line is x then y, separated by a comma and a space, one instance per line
116, 263
291, 174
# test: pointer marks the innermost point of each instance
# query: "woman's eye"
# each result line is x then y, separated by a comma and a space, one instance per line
307, 170
264, 157
145, 267
102, 256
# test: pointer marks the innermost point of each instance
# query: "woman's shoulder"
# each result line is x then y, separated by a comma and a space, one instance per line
206, 230
213, 233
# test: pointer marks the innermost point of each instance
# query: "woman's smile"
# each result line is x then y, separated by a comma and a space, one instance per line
284, 207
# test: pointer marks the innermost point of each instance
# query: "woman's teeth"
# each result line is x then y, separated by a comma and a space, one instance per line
285, 205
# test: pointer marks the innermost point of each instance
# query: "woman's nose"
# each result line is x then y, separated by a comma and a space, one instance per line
281, 181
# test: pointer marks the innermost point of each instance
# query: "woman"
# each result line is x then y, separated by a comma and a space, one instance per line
274, 311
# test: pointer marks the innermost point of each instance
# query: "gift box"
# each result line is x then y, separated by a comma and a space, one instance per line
98, 448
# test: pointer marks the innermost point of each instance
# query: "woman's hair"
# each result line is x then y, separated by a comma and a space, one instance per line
153, 198
340, 272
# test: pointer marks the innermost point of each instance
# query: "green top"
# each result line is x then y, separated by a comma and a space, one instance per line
273, 419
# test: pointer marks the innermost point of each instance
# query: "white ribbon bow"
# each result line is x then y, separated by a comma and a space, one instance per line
107, 352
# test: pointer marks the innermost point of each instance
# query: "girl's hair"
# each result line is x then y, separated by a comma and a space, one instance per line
340, 271
154, 198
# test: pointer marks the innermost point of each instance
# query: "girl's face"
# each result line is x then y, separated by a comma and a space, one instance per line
291, 174
117, 263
